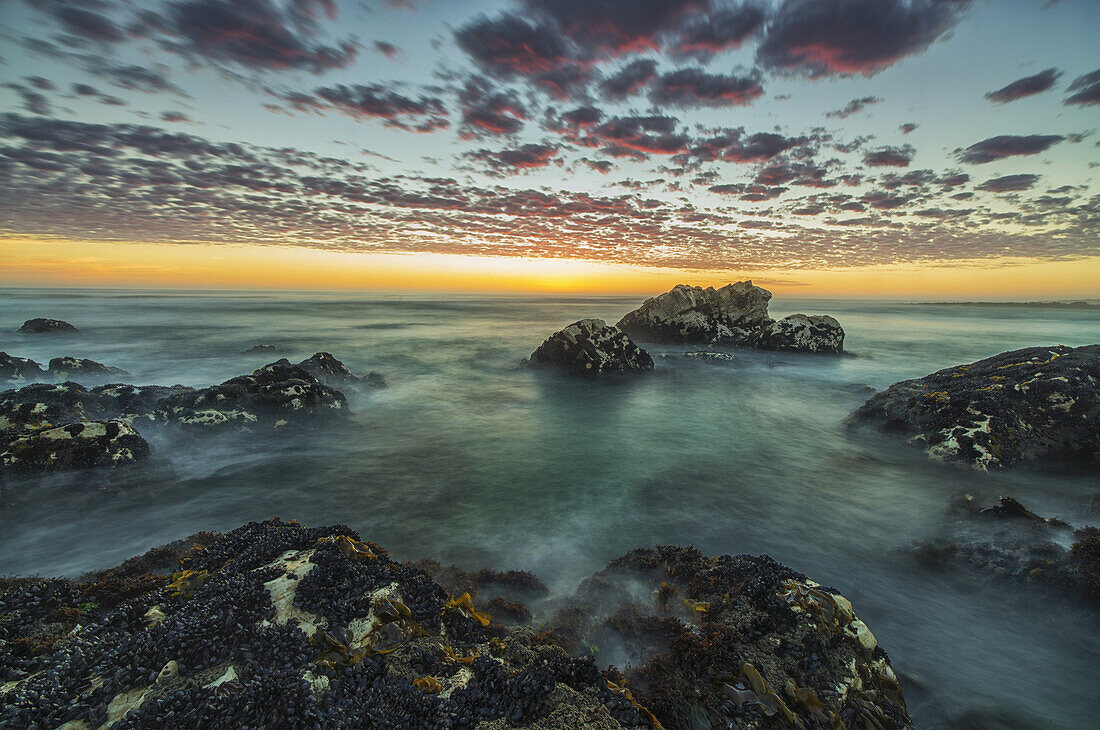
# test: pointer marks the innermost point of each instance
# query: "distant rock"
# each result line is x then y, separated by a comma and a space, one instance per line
335, 374
68, 368
47, 326
79, 445
18, 370
1030, 405
276, 395
590, 348
707, 356
731, 314
259, 349
802, 333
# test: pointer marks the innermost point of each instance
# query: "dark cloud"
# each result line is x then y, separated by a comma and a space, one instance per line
853, 107
1087, 88
637, 136
889, 156
750, 193
823, 37
907, 127
33, 101
601, 166
174, 117
691, 87
375, 101
512, 161
791, 172
584, 116
616, 27
510, 46
630, 79
486, 110
81, 20
1006, 145
915, 178
722, 30
953, 180
388, 50
1009, 183
1028, 86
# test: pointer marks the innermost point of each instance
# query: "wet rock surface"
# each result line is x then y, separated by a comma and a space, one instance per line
590, 348
335, 374
685, 314
1005, 540
75, 446
18, 370
70, 368
255, 349
41, 325
802, 333
1031, 405
279, 625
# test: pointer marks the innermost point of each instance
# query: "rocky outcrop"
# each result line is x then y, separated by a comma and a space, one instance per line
801, 333
735, 314
335, 374
68, 368
41, 326
276, 395
18, 370
256, 349
1035, 404
590, 348
74, 446
731, 314
279, 625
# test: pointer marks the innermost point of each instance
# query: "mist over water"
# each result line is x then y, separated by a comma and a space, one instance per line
467, 459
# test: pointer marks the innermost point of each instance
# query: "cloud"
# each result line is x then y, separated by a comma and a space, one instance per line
1009, 183
76, 18
172, 116
853, 107
1006, 145
1087, 88
375, 101
388, 50
907, 127
510, 46
889, 156
691, 87
616, 27
486, 110
1028, 86
723, 30
630, 79
823, 37
512, 161
33, 101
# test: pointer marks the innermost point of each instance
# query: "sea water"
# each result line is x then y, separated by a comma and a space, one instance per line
468, 459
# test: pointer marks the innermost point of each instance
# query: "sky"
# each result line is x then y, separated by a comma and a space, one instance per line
942, 148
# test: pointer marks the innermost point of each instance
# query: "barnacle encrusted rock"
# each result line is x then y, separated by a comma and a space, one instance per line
802, 333
41, 325
333, 373
301, 628
74, 446
18, 370
731, 314
66, 368
591, 348
1035, 404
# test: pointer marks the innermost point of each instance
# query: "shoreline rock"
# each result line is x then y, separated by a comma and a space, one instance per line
42, 325
590, 348
18, 370
802, 333
1038, 404
68, 368
276, 624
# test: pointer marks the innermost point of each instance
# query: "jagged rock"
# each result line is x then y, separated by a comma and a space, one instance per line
278, 625
66, 368
590, 348
18, 370
51, 404
335, 374
276, 395
713, 358
731, 314
1035, 404
802, 333
75, 446
259, 348
47, 326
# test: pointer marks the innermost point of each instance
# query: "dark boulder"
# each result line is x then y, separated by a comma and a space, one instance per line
590, 348
255, 349
686, 314
801, 333
335, 374
276, 395
68, 368
1035, 404
74, 446
40, 326
18, 370
279, 625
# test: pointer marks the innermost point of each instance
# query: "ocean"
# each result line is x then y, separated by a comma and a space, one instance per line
468, 459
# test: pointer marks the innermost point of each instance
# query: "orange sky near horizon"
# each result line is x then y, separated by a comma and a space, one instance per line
66, 263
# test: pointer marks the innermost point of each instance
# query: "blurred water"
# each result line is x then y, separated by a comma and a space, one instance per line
466, 459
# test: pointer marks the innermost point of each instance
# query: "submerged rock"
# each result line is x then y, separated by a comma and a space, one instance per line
47, 326
66, 368
590, 348
334, 373
276, 395
802, 333
1035, 404
731, 314
75, 446
278, 625
18, 370
707, 356
259, 348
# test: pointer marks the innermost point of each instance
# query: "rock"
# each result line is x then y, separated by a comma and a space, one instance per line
731, 314
713, 358
276, 395
18, 370
335, 374
1030, 405
802, 333
259, 348
66, 368
41, 404
590, 348
47, 326
279, 625
75, 446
